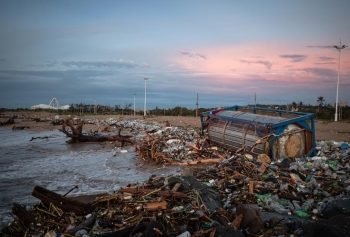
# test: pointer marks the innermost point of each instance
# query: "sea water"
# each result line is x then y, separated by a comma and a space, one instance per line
58, 166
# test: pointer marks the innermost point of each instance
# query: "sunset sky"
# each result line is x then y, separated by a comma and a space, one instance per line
87, 51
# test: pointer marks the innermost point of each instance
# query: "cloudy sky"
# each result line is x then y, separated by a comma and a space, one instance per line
86, 51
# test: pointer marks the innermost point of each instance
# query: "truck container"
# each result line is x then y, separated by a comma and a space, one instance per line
277, 133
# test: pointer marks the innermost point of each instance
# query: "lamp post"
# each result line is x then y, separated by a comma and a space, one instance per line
134, 106
339, 48
95, 106
145, 105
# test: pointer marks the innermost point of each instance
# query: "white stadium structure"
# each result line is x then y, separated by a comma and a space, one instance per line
52, 105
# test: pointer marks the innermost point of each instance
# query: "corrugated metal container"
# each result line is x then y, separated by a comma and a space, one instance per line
278, 133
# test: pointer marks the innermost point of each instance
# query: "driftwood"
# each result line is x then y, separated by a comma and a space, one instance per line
145, 191
198, 162
74, 130
33, 138
9, 121
66, 204
20, 127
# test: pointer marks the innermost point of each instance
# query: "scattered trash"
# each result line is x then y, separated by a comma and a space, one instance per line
185, 234
57, 120
302, 214
118, 150
344, 146
240, 193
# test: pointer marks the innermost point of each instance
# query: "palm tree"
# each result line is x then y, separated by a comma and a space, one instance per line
301, 104
320, 101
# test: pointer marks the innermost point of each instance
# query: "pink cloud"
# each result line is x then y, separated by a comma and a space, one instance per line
266, 68
264, 58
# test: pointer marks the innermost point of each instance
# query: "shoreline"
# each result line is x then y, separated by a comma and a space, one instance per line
325, 130
234, 187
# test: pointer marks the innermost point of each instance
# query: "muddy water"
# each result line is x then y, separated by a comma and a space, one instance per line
58, 166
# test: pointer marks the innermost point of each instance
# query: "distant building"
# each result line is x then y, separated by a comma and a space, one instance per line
44, 106
52, 105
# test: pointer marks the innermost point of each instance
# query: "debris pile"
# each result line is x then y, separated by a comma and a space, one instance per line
178, 146
161, 207
301, 187
240, 196
136, 127
162, 144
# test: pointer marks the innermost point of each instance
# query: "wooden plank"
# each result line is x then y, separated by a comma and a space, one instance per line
155, 206
64, 203
143, 191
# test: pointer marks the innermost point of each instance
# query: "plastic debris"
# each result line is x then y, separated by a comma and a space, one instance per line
302, 214
185, 234
227, 196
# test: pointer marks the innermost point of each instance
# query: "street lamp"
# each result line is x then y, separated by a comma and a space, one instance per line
134, 106
145, 105
339, 48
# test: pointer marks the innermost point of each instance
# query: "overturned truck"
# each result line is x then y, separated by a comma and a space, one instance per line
278, 133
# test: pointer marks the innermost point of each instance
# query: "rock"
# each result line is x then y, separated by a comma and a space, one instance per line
336, 207
250, 218
337, 226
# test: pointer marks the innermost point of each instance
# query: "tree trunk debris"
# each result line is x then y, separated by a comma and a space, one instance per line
74, 130
9, 121
66, 204
20, 127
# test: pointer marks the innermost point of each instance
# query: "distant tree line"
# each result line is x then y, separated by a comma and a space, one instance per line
323, 110
127, 109
100, 109
176, 111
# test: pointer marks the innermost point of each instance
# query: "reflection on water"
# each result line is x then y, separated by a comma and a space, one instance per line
58, 166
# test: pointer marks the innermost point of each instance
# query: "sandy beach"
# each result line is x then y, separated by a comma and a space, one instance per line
325, 130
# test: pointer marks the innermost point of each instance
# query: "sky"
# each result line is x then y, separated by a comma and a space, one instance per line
226, 51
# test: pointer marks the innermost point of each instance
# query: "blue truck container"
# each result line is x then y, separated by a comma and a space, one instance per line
278, 133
